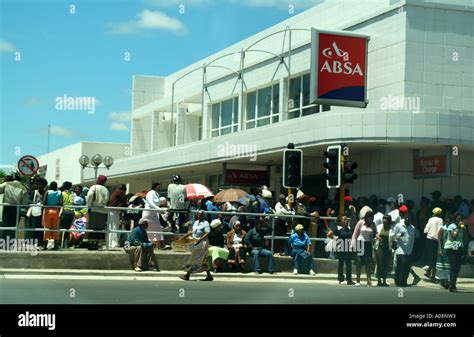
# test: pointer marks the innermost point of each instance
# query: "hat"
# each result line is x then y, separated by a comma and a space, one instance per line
101, 179
436, 192
299, 227
437, 211
403, 209
347, 198
215, 223
143, 222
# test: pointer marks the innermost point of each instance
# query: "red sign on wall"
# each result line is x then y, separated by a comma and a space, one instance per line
430, 166
237, 177
339, 68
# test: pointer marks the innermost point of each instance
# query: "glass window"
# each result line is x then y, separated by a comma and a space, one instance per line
263, 106
264, 102
251, 105
299, 104
225, 117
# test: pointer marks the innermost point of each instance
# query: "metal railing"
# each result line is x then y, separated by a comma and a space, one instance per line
110, 228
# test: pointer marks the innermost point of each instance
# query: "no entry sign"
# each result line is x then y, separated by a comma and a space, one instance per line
28, 165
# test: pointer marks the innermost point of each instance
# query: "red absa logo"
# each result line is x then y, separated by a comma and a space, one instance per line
341, 67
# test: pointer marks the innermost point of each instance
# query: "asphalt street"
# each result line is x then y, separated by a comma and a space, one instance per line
170, 290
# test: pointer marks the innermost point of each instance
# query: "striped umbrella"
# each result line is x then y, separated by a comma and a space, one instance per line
198, 191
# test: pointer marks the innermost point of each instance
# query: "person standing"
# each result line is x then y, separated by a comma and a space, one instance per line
35, 213
442, 261
96, 200
53, 198
454, 249
432, 247
343, 234
67, 213
14, 193
404, 236
117, 199
198, 260
177, 197
152, 201
383, 250
363, 236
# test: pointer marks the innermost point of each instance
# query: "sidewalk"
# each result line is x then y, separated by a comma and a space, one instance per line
13, 273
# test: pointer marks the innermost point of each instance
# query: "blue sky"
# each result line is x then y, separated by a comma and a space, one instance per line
49, 49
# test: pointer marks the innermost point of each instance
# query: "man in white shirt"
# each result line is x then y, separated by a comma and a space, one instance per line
178, 202
96, 199
16, 194
404, 236
431, 230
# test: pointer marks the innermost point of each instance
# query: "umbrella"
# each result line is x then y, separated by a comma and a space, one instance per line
231, 194
263, 203
194, 191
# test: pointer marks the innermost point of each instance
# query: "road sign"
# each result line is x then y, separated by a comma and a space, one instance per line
28, 165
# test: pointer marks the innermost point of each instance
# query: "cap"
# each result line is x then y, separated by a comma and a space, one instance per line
143, 222
299, 227
215, 223
437, 211
101, 179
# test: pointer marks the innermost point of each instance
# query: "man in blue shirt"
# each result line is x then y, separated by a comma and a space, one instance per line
139, 246
404, 236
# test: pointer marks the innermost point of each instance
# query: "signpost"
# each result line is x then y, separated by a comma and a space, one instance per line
28, 165
338, 68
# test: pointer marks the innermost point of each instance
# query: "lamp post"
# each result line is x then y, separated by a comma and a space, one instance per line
96, 161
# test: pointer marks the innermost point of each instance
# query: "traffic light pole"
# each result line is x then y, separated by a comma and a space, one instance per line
342, 189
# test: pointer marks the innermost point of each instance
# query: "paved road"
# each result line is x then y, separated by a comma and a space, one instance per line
169, 290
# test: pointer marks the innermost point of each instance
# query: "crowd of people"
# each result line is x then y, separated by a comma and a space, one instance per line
381, 235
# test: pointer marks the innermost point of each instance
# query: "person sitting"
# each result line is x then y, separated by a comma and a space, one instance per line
255, 241
217, 251
300, 245
141, 248
235, 245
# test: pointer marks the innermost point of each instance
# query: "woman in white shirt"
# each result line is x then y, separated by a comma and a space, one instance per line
152, 201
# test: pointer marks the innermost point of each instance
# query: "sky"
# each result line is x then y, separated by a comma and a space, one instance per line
50, 49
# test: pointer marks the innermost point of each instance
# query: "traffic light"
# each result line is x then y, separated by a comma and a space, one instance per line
333, 166
349, 175
292, 168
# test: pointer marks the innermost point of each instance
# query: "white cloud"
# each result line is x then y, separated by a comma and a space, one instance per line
119, 121
61, 131
148, 20
32, 102
120, 116
115, 126
6, 47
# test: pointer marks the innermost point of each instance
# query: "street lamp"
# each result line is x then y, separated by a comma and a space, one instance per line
97, 160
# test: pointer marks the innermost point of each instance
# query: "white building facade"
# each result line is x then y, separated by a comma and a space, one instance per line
235, 111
